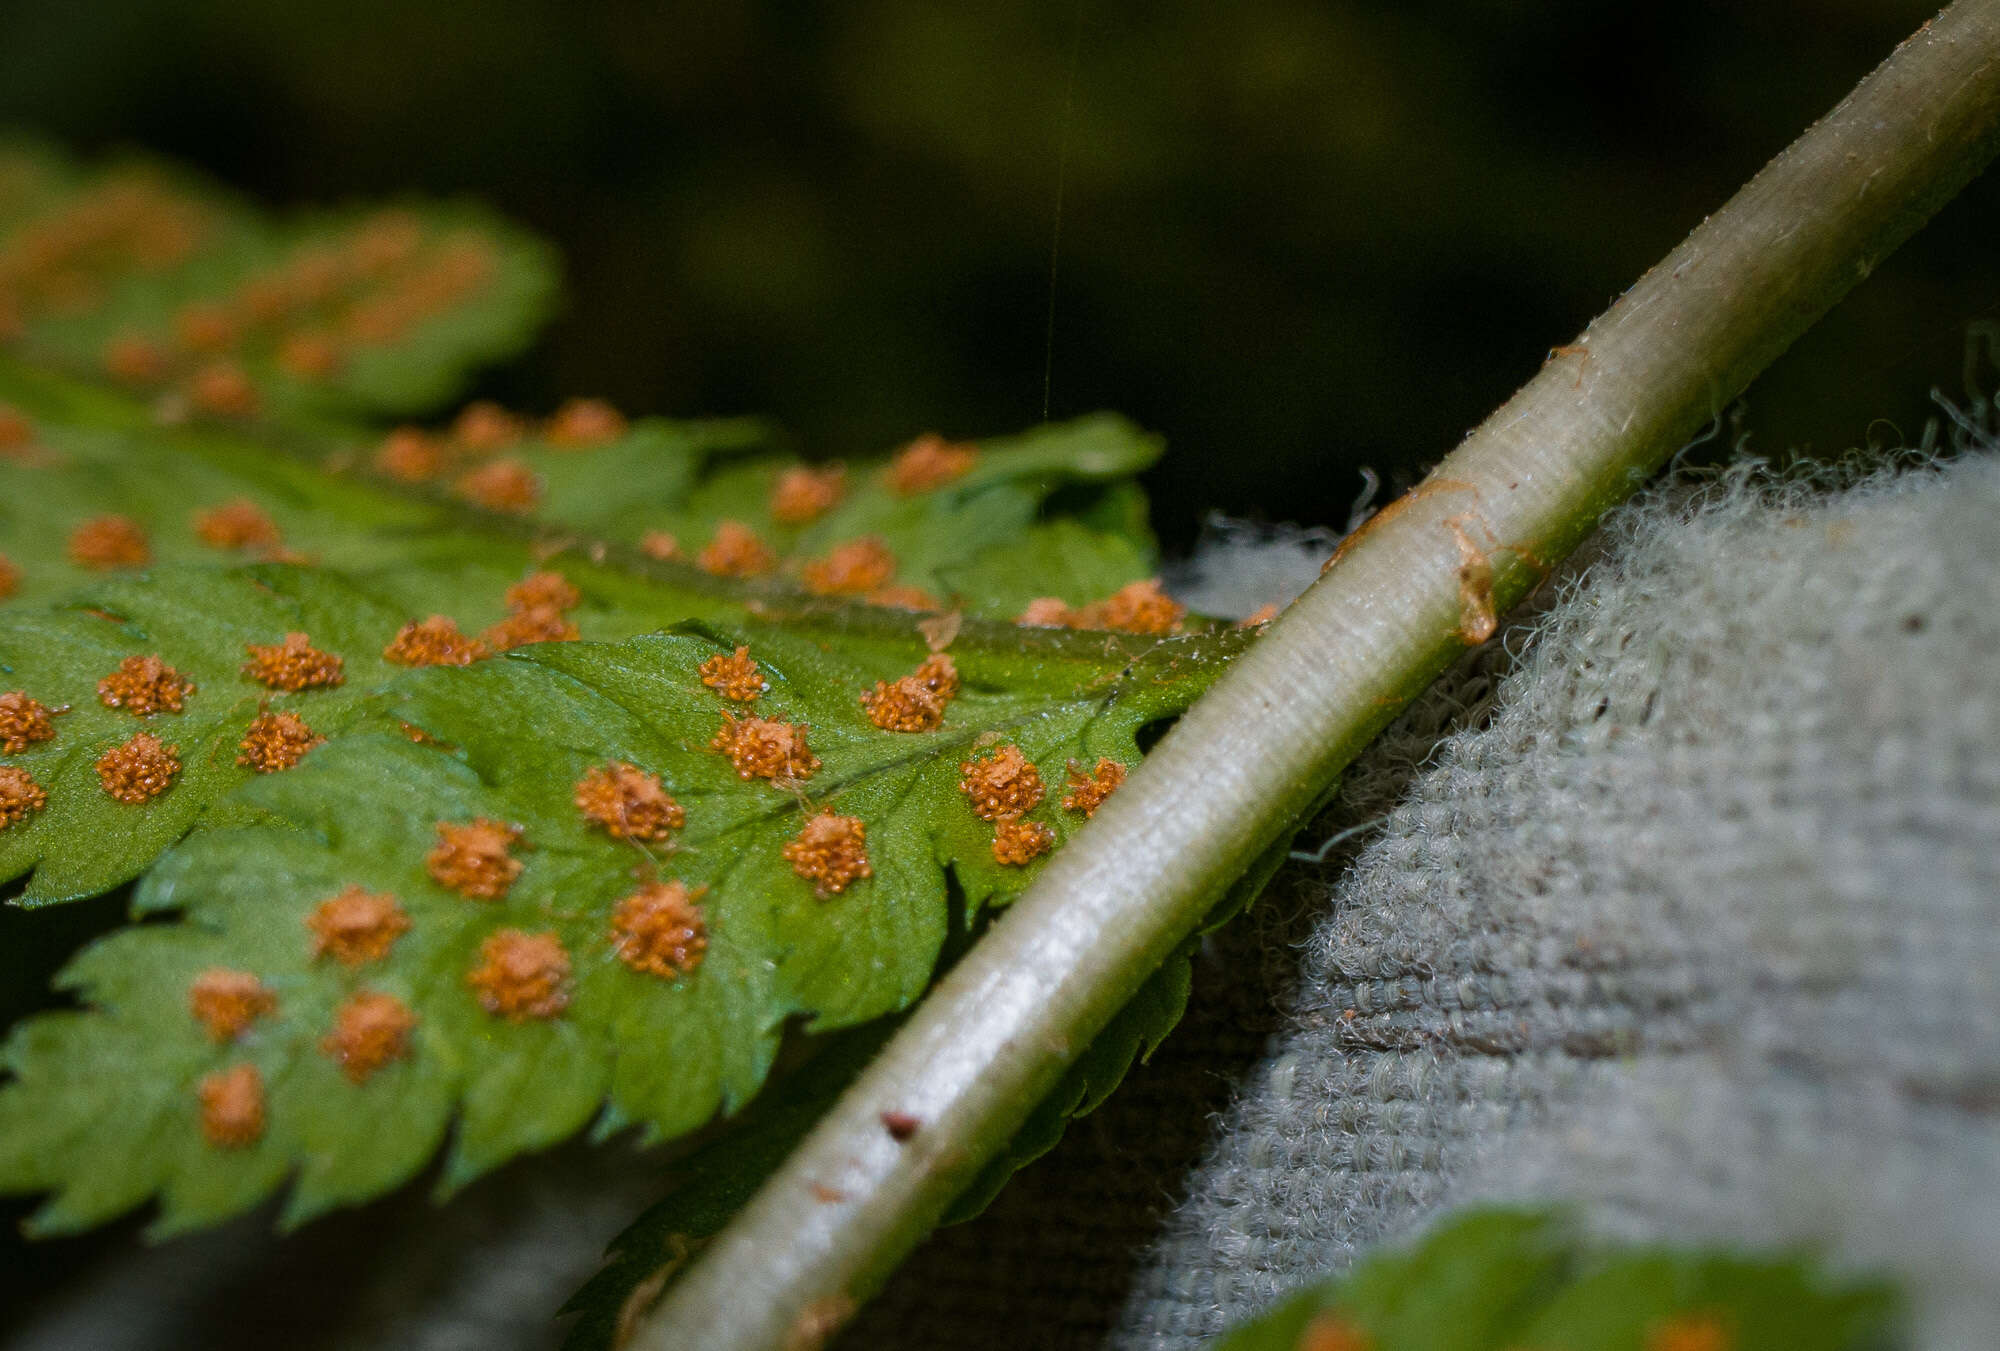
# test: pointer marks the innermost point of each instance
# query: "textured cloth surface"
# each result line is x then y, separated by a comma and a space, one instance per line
1696, 931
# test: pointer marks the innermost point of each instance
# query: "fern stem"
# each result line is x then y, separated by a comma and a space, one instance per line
1414, 588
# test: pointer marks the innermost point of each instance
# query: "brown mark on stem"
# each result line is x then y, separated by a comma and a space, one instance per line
1476, 620
1430, 487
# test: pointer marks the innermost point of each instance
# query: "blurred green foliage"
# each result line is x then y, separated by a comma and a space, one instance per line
1298, 235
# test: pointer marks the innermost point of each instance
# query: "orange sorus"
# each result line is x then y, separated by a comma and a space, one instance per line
803, 494
24, 721
236, 524
1001, 784
734, 676
474, 859
105, 542
766, 748
369, 1031
581, 423
293, 665
1086, 792
355, 927
659, 929
140, 769
930, 462
735, 551
20, 796
143, 686
831, 852
628, 803
436, 641
521, 975
851, 569
276, 741
232, 1107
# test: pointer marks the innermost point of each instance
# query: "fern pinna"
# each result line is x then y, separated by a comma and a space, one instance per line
500, 777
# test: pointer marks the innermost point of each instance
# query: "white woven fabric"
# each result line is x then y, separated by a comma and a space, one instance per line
1697, 930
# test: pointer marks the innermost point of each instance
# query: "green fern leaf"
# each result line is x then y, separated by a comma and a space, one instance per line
1494, 1279
473, 876
144, 275
525, 1042
188, 503
982, 538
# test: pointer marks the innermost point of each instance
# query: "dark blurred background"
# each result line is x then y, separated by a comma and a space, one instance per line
1297, 236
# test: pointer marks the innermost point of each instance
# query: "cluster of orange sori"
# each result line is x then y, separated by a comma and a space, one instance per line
803, 493
1137, 607
915, 702
23, 722
144, 766
734, 676
356, 926
1086, 792
766, 748
104, 543
537, 612
369, 285
627, 803
238, 524
475, 859
293, 665
275, 741
17, 434
852, 569
538, 609
659, 930
1003, 786
831, 852
114, 542
860, 568
472, 449
64, 262
928, 463
471, 456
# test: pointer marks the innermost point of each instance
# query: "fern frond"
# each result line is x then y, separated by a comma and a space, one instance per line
141, 531
144, 275
545, 770
513, 983
1493, 1278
